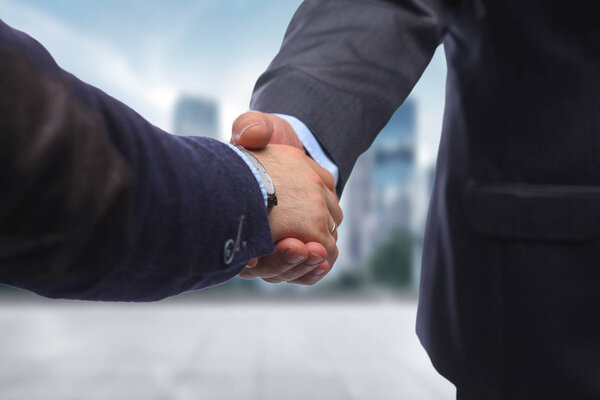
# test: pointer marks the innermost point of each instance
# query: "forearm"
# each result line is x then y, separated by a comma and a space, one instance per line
99, 204
345, 66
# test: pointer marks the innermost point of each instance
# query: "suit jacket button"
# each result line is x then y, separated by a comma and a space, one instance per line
229, 251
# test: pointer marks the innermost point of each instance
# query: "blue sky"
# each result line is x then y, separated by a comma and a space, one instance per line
147, 52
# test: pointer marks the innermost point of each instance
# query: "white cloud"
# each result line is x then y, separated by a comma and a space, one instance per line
150, 80
96, 62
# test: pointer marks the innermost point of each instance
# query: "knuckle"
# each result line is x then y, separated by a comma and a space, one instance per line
296, 151
319, 204
293, 151
340, 215
246, 274
332, 246
315, 179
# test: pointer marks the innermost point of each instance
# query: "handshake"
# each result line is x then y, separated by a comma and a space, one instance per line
304, 223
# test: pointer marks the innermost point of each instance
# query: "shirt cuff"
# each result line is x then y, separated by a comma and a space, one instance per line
254, 171
311, 145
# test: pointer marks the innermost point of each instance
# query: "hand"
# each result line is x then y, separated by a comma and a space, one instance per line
293, 261
307, 211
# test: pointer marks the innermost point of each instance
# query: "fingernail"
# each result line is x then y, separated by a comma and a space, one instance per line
291, 257
248, 127
319, 271
314, 259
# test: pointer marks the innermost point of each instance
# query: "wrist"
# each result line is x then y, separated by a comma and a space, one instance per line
310, 144
265, 179
255, 173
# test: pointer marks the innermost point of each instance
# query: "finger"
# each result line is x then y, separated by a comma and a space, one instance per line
288, 253
252, 130
317, 253
330, 194
313, 261
272, 280
252, 263
334, 208
314, 276
248, 273
325, 175
335, 234
317, 249
332, 251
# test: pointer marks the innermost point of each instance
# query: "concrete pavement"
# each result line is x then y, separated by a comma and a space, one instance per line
228, 351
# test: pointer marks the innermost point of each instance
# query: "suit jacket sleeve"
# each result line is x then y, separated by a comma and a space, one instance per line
96, 203
345, 66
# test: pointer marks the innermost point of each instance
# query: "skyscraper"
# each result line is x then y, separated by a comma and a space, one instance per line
358, 209
394, 166
379, 196
196, 116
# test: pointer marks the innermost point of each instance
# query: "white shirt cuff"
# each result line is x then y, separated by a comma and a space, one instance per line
312, 145
254, 171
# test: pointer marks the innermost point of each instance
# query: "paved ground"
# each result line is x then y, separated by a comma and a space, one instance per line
229, 351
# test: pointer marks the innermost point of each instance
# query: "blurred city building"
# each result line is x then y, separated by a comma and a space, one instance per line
394, 166
359, 209
386, 193
196, 116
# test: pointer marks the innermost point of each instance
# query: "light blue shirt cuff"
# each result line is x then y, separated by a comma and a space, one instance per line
312, 145
254, 171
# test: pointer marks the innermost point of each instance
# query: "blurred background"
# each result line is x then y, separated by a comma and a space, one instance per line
189, 67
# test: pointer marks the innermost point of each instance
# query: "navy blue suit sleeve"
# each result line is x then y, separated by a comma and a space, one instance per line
99, 204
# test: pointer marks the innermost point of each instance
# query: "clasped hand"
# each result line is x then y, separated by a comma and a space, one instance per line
304, 223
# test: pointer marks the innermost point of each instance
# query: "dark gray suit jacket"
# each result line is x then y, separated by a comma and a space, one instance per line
511, 268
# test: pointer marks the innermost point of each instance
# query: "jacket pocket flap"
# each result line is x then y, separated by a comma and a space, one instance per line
534, 212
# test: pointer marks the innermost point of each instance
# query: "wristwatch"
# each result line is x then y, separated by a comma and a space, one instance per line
264, 175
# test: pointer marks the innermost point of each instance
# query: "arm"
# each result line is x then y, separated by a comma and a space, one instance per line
342, 70
99, 204
345, 66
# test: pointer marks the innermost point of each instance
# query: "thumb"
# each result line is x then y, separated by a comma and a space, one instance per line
252, 130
